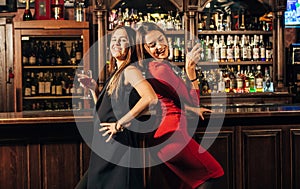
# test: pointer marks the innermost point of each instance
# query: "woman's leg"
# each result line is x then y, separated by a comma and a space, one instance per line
82, 184
209, 183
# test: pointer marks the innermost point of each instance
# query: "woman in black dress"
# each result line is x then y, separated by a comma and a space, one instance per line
115, 162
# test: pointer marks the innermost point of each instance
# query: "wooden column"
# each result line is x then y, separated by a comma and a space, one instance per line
101, 19
279, 51
192, 25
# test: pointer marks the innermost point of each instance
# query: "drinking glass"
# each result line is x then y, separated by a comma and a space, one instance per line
85, 78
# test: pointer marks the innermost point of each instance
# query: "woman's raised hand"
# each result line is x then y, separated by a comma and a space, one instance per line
192, 58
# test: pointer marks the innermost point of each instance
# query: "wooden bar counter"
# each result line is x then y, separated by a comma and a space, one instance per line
258, 147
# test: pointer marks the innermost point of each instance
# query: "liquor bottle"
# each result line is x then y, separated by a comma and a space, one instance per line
27, 86
229, 51
212, 23
200, 23
182, 51
262, 48
269, 51
204, 84
53, 83
249, 48
236, 49
228, 21
221, 83
233, 80
47, 50
120, 17
177, 21
32, 54
78, 51
252, 81
226, 80
40, 53
176, 48
223, 49
64, 54
59, 56
126, 18
239, 80
202, 49
171, 50
209, 47
34, 84
170, 23
216, 50
268, 84
41, 84
25, 53
242, 26
57, 9
59, 85
244, 46
255, 50
79, 11
47, 80
27, 13
132, 18
73, 54
53, 54
259, 80
247, 80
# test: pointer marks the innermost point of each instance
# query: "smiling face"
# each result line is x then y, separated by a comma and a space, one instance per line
119, 44
156, 45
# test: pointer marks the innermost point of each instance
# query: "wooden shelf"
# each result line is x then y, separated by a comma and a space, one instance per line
242, 63
49, 97
52, 67
234, 32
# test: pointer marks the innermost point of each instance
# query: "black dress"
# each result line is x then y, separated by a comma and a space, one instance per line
111, 163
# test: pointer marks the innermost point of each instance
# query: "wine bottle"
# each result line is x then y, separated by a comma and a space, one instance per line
27, 87
27, 13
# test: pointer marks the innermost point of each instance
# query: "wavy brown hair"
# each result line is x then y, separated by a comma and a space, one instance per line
131, 57
142, 31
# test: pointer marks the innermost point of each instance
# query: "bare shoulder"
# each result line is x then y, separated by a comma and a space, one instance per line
132, 74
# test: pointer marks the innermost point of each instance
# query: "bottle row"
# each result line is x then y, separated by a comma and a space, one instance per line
235, 80
54, 9
51, 53
51, 84
216, 49
228, 21
47, 105
134, 18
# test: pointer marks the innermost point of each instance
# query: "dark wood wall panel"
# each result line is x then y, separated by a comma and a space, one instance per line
295, 157
223, 150
60, 165
13, 166
262, 159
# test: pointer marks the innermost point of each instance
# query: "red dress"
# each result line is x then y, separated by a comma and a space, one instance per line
180, 153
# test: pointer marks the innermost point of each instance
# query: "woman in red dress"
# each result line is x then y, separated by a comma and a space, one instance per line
175, 148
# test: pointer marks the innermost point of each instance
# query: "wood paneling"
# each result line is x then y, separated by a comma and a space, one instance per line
295, 158
222, 149
60, 165
14, 166
261, 159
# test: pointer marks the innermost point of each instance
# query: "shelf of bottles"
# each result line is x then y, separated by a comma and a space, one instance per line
237, 52
235, 79
48, 67
171, 22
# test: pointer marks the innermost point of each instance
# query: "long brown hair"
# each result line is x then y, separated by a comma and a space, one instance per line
131, 57
142, 31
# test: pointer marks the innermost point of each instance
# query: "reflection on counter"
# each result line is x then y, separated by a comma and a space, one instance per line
254, 108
